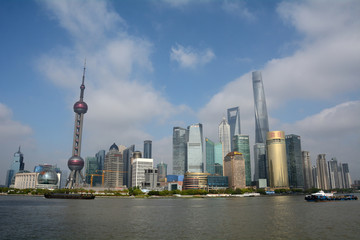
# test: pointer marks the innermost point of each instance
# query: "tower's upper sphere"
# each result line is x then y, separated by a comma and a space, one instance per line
76, 163
80, 107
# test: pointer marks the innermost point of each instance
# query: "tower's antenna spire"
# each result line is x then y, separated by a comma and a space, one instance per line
82, 87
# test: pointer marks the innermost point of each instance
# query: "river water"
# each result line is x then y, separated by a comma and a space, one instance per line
268, 217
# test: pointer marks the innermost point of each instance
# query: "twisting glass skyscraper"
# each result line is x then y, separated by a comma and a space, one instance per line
261, 125
261, 116
180, 136
233, 117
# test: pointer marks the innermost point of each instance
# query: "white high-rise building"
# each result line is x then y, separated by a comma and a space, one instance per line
138, 167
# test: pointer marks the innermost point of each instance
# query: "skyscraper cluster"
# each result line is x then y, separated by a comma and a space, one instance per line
190, 157
123, 167
278, 158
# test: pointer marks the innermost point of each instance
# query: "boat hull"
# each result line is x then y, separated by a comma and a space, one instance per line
312, 198
69, 196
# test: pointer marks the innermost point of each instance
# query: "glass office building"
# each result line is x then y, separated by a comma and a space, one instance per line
16, 166
180, 136
294, 161
127, 155
233, 117
219, 161
210, 156
195, 149
147, 149
224, 137
241, 144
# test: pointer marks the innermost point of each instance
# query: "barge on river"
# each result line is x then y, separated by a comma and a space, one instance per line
321, 196
69, 195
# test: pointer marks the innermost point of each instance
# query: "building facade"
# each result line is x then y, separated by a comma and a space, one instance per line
138, 167
162, 171
193, 180
322, 172
113, 167
210, 156
308, 177
233, 117
219, 161
260, 162
276, 158
91, 169
294, 161
147, 149
224, 137
241, 144
347, 178
127, 156
234, 169
180, 136
151, 179
195, 149
333, 173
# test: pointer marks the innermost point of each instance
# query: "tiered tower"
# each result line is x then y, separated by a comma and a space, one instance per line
76, 163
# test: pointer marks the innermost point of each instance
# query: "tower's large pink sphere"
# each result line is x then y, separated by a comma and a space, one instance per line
76, 163
80, 107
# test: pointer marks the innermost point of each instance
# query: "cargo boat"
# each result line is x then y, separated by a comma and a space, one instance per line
69, 195
321, 196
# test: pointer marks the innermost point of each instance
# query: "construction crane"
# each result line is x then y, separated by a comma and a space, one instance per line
102, 176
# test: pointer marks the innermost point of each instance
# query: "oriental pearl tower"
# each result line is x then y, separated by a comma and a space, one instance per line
76, 163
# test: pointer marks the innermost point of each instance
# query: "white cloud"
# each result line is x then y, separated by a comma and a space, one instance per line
238, 8
176, 3
120, 100
12, 133
334, 131
324, 68
189, 57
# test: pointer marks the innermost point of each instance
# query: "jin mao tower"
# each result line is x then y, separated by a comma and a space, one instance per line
76, 162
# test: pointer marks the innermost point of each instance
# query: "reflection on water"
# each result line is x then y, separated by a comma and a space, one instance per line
275, 217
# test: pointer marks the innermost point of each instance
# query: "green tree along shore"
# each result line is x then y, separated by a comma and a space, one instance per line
136, 191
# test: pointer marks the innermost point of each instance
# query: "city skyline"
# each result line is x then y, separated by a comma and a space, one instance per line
142, 58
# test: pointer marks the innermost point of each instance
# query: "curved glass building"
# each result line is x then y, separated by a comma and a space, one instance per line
261, 116
261, 127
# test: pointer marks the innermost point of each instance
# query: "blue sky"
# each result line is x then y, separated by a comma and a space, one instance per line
153, 65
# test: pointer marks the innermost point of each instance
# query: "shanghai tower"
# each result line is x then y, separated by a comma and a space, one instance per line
76, 163
261, 126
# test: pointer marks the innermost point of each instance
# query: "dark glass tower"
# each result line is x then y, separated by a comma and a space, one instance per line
147, 149
76, 162
294, 161
210, 156
16, 166
127, 155
180, 137
261, 126
233, 117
